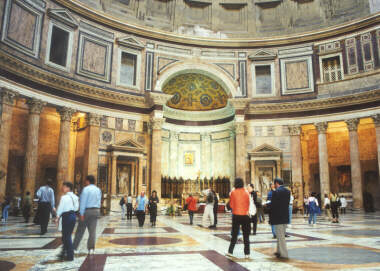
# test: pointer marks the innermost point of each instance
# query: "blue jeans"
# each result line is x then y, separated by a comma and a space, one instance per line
273, 231
5, 212
122, 211
68, 224
290, 213
313, 216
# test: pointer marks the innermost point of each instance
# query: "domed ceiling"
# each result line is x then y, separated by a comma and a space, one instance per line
195, 92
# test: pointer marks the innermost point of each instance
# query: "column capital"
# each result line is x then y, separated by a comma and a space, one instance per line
294, 130
239, 127
93, 119
66, 113
205, 136
35, 106
352, 124
376, 119
239, 104
321, 127
174, 135
7, 96
156, 123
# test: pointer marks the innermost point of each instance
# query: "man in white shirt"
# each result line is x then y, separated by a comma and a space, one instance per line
68, 205
343, 203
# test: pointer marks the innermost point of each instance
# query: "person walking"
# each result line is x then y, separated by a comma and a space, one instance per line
46, 205
191, 207
239, 203
215, 209
208, 213
290, 209
253, 218
260, 209
122, 204
279, 216
67, 207
268, 203
343, 203
129, 207
26, 207
5, 210
313, 208
327, 207
334, 199
306, 205
140, 207
89, 212
153, 201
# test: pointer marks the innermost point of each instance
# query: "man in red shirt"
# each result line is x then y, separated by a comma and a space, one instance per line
239, 202
191, 207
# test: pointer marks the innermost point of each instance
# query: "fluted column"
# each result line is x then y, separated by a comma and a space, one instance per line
7, 101
240, 150
91, 155
356, 172
63, 146
156, 126
295, 142
31, 154
324, 174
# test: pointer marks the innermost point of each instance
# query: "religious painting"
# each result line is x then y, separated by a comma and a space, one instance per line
265, 179
124, 173
344, 179
188, 158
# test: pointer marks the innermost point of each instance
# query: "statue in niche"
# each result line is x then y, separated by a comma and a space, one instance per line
265, 179
123, 176
344, 179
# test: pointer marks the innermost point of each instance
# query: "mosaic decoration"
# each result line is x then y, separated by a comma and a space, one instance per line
195, 92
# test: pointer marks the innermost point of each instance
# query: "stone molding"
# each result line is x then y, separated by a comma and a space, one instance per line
294, 130
352, 124
66, 113
321, 127
92, 119
239, 127
376, 119
7, 96
240, 104
157, 98
35, 106
156, 123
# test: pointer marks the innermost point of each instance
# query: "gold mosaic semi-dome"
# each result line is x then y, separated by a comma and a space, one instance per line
195, 92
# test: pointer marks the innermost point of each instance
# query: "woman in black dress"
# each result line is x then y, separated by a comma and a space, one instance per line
153, 201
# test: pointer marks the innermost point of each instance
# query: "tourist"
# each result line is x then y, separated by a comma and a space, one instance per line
343, 206
153, 201
268, 203
279, 216
122, 205
67, 207
216, 200
253, 195
191, 203
5, 210
208, 214
26, 207
313, 208
290, 209
327, 206
129, 207
334, 199
306, 205
46, 204
89, 212
260, 209
240, 202
140, 208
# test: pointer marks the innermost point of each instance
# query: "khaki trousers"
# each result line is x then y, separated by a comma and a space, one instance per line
90, 221
281, 243
208, 215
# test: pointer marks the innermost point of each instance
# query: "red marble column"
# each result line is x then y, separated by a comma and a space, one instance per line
324, 174
356, 172
7, 101
31, 154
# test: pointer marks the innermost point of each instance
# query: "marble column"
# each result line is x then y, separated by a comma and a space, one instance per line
232, 158
31, 154
7, 101
156, 125
63, 146
206, 156
113, 186
240, 150
91, 155
295, 142
356, 172
324, 174
173, 159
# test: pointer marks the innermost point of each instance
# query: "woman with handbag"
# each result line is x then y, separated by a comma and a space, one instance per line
153, 201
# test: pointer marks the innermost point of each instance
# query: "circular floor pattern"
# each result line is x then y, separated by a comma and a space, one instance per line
6, 266
374, 233
335, 255
145, 241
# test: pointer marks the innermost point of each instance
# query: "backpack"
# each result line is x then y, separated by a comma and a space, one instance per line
122, 202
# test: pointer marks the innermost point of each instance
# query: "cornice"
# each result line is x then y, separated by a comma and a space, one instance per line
153, 33
49, 79
316, 104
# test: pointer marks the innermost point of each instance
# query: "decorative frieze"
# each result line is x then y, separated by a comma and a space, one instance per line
294, 130
35, 106
352, 124
66, 113
321, 127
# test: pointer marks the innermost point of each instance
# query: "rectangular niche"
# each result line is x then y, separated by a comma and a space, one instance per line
160, 11
129, 68
22, 34
197, 13
263, 79
94, 57
235, 17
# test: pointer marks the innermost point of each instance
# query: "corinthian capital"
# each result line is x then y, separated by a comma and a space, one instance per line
239, 127
93, 119
352, 124
66, 113
321, 127
376, 119
156, 123
7, 96
35, 106
294, 130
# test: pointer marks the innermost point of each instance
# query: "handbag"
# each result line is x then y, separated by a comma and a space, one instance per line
252, 207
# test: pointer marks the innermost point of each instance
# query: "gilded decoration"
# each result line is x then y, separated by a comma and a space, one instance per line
195, 92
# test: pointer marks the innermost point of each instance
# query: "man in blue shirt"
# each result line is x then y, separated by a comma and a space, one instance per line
141, 203
46, 204
89, 211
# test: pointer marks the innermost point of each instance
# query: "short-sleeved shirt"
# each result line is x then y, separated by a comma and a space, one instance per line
141, 203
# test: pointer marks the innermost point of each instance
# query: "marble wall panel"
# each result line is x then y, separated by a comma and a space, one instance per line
220, 158
165, 158
189, 136
234, 18
297, 75
94, 56
199, 14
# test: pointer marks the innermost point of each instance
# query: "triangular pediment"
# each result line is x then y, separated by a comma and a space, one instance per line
266, 148
129, 143
64, 16
262, 55
131, 42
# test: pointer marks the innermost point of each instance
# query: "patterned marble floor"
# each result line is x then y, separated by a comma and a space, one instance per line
175, 245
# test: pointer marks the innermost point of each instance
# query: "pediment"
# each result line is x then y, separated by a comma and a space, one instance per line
127, 145
266, 148
131, 42
262, 55
64, 16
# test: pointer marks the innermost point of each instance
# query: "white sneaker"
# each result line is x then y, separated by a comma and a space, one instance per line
247, 257
240, 238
